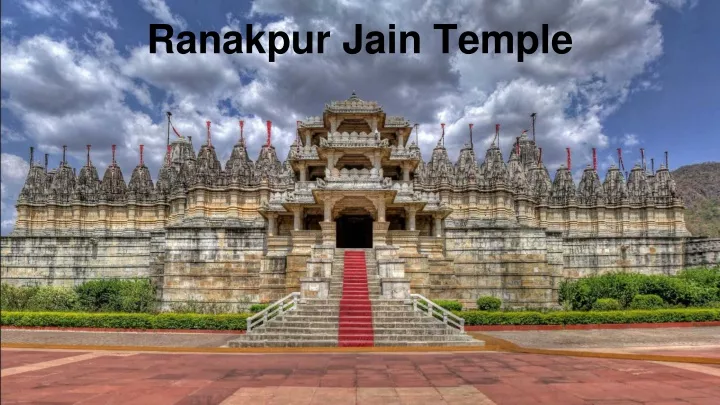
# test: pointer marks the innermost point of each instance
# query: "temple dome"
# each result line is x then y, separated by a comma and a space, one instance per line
563, 188
590, 190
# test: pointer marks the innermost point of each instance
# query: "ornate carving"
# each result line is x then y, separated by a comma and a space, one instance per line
239, 168
539, 182
665, 189
141, 185
207, 169
517, 178
113, 187
63, 184
88, 184
639, 191
353, 105
439, 170
590, 190
616, 192
493, 169
563, 188
467, 171
35, 188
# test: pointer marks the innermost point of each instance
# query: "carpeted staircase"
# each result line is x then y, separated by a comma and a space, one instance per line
354, 315
355, 327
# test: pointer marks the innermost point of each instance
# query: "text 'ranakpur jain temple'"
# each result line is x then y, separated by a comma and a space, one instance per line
256, 231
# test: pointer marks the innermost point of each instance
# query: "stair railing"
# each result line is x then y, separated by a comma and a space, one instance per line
279, 307
424, 305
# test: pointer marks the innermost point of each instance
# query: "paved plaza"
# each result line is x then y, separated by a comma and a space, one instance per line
85, 376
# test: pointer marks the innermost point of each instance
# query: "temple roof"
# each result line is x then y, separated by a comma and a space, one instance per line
353, 105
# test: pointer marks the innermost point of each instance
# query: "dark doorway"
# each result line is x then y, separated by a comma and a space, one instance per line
354, 231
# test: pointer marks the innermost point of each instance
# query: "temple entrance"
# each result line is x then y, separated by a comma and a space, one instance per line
354, 231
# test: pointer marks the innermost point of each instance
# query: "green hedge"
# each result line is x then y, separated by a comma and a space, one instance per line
450, 305
125, 321
592, 317
684, 291
489, 303
106, 295
606, 304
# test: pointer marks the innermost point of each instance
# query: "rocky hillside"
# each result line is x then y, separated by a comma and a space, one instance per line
699, 186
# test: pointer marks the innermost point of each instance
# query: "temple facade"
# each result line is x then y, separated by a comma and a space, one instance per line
254, 231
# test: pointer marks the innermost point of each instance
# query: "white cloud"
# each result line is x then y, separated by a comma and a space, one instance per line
95, 10
630, 140
14, 170
160, 10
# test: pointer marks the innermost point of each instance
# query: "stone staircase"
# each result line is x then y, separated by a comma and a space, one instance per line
316, 322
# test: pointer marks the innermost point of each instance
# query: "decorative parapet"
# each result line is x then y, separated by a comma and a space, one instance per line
403, 153
354, 179
307, 152
353, 105
394, 121
312, 122
354, 140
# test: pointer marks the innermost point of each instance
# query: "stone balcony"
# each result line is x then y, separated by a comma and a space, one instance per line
353, 140
307, 152
354, 179
411, 152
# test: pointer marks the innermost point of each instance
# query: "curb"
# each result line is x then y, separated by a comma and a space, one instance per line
125, 330
498, 328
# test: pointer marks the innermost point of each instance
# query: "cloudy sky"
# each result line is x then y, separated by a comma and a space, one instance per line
641, 73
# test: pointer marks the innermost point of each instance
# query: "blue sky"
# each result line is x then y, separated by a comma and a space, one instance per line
641, 73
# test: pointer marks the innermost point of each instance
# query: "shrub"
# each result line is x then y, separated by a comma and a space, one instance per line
255, 308
450, 305
489, 303
646, 301
16, 298
125, 321
606, 304
582, 293
48, 298
116, 295
591, 317
708, 277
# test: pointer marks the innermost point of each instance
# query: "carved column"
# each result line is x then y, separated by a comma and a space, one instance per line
272, 224
406, 172
297, 218
381, 209
438, 226
303, 171
411, 218
401, 139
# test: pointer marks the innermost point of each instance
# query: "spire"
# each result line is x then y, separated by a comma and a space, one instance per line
242, 138
32, 155
540, 156
167, 154
594, 154
209, 137
417, 136
532, 117
269, 131
168, 113
46, 162
113, 155
471, 139
64, 150
569, 159
496, 141
88, 155
141, 155
642, 158
442, 137
667, 164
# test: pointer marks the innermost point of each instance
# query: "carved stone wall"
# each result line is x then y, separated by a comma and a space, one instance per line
702, 252
68, 261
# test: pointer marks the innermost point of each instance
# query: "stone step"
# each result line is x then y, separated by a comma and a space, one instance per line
293, 330
283, 343
333, 336
395, 318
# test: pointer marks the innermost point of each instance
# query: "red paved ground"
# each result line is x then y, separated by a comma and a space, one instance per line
504, 378
17, 358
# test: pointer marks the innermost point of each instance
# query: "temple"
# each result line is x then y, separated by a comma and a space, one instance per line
254, 231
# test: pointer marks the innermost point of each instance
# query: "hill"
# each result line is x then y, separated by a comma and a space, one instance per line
699, 185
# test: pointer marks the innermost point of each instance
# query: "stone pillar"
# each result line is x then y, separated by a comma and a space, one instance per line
438, 226
401, 140
328, 211
411, 218
307, 139
380, 230
406, 172
328, 233
272, 224
297, 218
303, 172
381, 210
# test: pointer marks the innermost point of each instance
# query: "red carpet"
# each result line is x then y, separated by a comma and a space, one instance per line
355, 328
